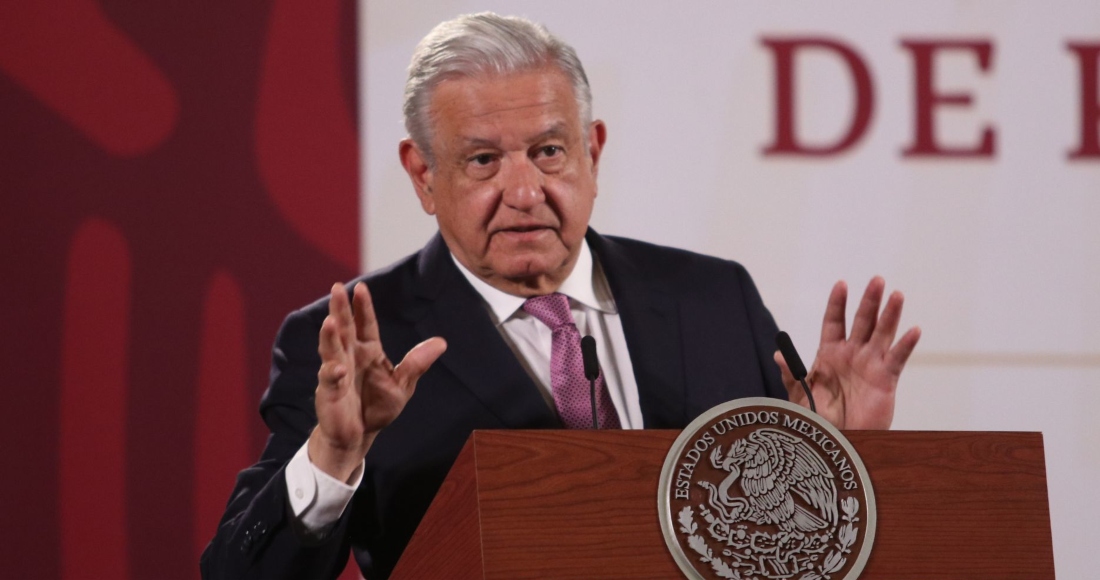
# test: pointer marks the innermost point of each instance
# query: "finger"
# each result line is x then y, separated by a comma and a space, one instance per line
329, 345
887, 326
366, 324
340, 309
867, 314
794, 388
899, 355
418, 360
832, 328
331, 374
333, 369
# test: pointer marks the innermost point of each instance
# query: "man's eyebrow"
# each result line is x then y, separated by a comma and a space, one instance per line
557, 129
478, 142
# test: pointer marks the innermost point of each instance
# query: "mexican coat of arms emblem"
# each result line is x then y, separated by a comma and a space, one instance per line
760, 489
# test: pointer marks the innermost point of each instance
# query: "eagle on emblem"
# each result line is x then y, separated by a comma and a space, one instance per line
773, 467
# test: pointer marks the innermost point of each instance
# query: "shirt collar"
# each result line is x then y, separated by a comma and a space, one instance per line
586, 284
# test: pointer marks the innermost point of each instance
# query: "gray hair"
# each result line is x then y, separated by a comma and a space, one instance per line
478, 44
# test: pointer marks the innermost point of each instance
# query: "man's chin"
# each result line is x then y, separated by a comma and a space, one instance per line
524, 269
535, 272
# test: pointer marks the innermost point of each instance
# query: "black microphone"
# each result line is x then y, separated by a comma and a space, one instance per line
794, 363
591, 372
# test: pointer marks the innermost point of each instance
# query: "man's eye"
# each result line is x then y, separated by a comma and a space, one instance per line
550, 151
483, 159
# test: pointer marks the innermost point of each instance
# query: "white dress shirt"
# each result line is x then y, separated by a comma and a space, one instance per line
317, 499
594, 313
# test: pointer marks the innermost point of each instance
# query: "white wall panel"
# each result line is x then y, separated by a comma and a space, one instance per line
998, 257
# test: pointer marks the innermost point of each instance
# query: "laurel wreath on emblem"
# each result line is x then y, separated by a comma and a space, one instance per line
753, 551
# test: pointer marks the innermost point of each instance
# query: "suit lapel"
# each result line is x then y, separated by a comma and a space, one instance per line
476, 353
651, 323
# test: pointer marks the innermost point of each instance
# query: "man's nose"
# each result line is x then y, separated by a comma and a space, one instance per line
522, 183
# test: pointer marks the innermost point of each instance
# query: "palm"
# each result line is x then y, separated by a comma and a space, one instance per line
359, 391
854, 378
366, 398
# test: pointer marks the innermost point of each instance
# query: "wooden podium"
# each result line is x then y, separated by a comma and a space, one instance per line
583, 504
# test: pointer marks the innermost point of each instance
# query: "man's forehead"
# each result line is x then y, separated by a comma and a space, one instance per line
500, 92
487, 109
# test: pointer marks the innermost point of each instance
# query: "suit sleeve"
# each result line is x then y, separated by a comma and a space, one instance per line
258, 536
763, 329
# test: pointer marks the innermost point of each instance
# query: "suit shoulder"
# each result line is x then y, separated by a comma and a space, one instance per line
658, 261
393, 285
384, 284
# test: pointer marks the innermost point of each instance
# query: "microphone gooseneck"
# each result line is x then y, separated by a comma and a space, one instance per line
794, 363
591, 372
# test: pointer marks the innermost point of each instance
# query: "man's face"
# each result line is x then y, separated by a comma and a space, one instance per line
513, 183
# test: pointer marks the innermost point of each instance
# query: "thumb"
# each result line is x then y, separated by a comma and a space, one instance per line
418, 360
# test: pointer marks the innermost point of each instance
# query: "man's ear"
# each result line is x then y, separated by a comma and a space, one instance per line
420, 173
597, 136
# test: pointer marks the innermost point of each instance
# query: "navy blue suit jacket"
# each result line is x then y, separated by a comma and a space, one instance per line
698, 335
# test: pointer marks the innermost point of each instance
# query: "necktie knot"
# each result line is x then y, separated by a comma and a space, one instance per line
552, 309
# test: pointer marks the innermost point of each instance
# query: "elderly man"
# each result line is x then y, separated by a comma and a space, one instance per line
485, 320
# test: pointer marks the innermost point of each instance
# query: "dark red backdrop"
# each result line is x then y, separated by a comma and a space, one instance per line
174, 178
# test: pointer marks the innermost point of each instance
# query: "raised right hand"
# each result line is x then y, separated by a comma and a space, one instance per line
359, 391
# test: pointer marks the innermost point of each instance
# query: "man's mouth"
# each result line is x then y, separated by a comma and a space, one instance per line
526, 233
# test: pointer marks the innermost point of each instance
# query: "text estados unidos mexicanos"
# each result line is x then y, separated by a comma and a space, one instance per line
707, 440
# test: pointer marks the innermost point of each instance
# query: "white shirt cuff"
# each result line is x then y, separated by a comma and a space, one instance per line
316, 498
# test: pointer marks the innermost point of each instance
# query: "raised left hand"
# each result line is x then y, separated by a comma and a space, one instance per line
854, 378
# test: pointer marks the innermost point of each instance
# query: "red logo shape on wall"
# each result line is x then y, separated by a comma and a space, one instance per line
176, 178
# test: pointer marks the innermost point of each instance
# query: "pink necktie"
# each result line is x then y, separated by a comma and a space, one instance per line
571, 388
